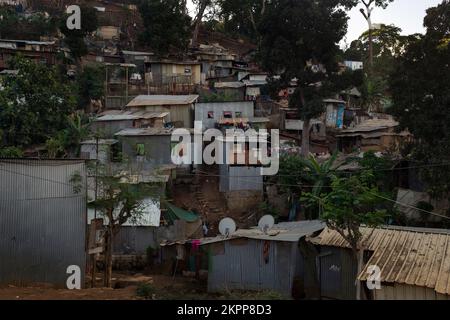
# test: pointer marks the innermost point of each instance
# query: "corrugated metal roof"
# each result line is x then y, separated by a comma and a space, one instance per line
162, 100
371, 125
30, 42
234, 84
254, 83
288, 232
130, 115
418, 257
101, 141
334, 101
145, 132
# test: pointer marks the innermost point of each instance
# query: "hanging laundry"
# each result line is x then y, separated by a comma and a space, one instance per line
195, 245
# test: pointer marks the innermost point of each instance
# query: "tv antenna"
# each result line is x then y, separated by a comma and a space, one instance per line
266, 223
227, 226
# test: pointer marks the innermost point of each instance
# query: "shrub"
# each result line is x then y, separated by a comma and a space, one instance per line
145, 290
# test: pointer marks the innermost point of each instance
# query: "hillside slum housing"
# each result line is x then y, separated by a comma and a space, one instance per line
147, 145
160, 221
42, 220
414, 264
177, 77
112, 121
253, 260
241, 180
378, 134
103, 150
235, 90
44, 52
211, 113
181, 108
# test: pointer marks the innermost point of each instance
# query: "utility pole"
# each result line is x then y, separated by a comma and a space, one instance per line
126, 85
94, 256
106, 85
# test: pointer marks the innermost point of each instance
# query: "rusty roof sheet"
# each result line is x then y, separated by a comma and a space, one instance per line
162, 100
115, 115
412, 256
284, 232
371, 125
135, 132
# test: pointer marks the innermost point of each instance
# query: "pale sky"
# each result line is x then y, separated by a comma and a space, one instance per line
406, 14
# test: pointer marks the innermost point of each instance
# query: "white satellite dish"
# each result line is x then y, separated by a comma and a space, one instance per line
227, 226
266, 223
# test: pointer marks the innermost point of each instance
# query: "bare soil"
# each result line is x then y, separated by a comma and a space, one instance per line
165, 287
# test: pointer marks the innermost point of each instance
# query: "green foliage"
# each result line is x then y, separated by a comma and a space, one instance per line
381, 167
77, 181
54, 146
34, 105
145, 290
166, 26
119, 200
8, 25
267, 209
423, 205
352, 202
74, 39
299, 175
287, 50
242, 17
77, 131
15, 26
90, 85
421, 98
10, 152
295, 170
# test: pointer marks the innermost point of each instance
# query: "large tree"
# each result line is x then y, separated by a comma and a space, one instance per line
388, 44
118, 202
167, 26
369, 6
243, 17
74, 39
90, 85
34, 104
299, 39
351, 203
421, 97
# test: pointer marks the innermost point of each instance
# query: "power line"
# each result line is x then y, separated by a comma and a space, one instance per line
35, 177
384, 198
410, 206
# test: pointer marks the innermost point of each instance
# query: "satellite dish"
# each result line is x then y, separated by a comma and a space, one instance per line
227, 226
266, 223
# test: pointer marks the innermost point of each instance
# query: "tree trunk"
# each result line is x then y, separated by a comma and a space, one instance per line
305, 137
198, 21
359, 256
109, 236
370, 49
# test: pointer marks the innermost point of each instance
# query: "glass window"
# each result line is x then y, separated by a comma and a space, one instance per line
227, 115
210, 114
238, 114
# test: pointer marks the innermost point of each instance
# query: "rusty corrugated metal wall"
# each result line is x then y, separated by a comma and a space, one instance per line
42, 221
240, 265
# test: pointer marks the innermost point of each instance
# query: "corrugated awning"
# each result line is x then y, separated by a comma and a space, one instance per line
175, 213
